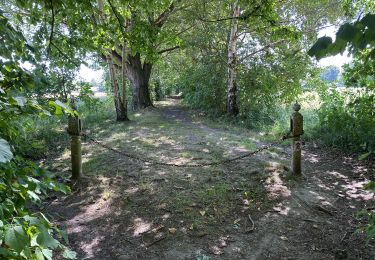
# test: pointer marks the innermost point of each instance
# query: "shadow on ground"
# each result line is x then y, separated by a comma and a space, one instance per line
249, 209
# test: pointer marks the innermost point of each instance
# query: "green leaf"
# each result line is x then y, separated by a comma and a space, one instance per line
45, 239
64, 235
364, 156
337, 47
369, 21
58, 109
33, 196
47, 253
26, 253
7, 68
370, 186
5, 153
5, 252
21, 101
16, 238
347, 32
69, 254
39, 254
319, 48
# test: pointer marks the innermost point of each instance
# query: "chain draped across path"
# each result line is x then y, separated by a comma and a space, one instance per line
151, 161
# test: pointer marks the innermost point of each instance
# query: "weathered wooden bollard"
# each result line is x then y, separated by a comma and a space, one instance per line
295, 132
75, 132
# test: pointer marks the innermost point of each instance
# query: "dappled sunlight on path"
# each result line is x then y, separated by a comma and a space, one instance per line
250, 209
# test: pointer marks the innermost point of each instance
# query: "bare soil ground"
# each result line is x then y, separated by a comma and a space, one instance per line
249, 209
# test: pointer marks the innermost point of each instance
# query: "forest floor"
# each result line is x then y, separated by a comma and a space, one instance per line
249, 209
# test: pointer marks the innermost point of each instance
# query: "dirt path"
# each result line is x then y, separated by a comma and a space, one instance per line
250, 209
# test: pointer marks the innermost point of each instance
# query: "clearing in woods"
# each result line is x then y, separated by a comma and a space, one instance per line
248, 209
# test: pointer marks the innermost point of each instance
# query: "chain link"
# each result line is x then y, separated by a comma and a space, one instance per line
151, 161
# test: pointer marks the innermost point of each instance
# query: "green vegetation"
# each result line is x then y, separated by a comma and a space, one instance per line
236, 64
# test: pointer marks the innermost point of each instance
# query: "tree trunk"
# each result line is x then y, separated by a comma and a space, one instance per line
232, 108
124, 77
121, 112
120, 104
139, 76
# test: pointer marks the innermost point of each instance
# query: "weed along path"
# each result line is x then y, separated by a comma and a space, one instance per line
248, 209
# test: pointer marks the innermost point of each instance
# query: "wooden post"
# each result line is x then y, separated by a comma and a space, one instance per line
75, 131
296, 125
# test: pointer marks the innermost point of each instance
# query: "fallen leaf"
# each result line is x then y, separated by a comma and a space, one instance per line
202, 212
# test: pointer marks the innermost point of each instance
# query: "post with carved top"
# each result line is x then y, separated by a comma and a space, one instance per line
296, 130
75, 132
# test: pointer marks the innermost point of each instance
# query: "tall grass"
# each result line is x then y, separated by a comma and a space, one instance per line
43, 135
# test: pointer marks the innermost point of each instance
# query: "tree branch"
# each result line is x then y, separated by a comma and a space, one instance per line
168, 49
52, 28
272, 44
120, 19
66, 56
164, 15
241, 17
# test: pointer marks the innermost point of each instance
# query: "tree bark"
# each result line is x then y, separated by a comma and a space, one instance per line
121, 111
139, 76
232, 108
120, 102
124, 79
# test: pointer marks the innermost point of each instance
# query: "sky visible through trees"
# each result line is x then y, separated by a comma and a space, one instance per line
186, 153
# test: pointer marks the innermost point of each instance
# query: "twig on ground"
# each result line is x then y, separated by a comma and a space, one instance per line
320, 208
252, 224
310, 220
343, 238
155, 241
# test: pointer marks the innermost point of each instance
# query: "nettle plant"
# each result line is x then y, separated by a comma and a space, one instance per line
24, 233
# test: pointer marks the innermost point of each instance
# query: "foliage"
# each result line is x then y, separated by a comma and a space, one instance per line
370, 215
349, 113
269, 72
346, 119
86, 95
26, 235
356, 36
23, 235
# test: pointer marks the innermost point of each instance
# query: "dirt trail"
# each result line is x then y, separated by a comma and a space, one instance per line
250, 209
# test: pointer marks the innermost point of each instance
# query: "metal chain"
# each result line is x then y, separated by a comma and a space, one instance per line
249, 154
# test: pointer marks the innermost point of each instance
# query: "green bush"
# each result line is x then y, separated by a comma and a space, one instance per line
25, 235
347, 119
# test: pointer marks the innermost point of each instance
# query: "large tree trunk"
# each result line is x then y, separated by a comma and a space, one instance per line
124, 78
232, 108
121, 111
139, 76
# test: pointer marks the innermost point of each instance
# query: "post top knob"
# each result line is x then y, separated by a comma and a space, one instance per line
296, 107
